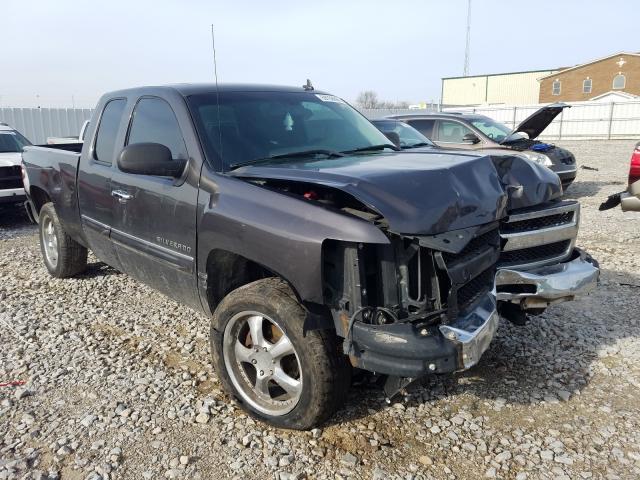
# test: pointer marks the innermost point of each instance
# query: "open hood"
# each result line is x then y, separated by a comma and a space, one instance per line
535, 123
418, 195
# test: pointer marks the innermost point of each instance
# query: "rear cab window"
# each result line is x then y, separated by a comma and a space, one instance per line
108, 130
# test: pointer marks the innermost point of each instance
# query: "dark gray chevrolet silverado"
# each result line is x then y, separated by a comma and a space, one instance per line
315, 248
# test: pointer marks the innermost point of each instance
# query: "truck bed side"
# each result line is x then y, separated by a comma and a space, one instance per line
52, 172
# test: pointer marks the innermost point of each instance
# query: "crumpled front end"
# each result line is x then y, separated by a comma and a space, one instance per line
422, 304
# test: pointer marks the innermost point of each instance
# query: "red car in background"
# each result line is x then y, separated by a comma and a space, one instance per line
630, 199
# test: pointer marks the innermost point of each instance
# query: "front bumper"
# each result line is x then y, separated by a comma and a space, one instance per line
12, 195
567, 176
548, 285
405, 350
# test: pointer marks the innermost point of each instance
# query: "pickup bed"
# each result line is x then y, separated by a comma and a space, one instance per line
314, 246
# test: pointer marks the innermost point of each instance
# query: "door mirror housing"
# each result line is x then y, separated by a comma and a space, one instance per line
149, 159
471, 138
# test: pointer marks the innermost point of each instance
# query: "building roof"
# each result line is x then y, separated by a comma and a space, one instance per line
505, 73
616, 93
619, 54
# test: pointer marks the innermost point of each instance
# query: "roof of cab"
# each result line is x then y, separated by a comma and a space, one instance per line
187, 89
435, 115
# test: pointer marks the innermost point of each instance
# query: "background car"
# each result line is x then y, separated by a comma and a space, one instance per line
11, 145
629, 199
402, 134
477, 132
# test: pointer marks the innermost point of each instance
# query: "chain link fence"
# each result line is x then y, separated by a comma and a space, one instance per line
584, 120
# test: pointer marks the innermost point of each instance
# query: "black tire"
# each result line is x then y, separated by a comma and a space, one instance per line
324, 368
71, 256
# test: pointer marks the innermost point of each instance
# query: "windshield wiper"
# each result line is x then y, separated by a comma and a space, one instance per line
371, 148
283, 156
419, 144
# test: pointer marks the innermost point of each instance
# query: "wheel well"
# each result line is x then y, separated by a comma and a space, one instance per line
227, 271
39, 198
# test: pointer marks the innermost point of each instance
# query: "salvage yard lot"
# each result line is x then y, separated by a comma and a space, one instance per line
119, 383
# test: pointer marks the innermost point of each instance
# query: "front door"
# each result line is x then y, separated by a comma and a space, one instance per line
154, 231
94, 182
451, 133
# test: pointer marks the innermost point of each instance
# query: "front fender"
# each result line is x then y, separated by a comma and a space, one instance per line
281, 232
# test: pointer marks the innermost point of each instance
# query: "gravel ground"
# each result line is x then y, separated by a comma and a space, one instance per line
119, 384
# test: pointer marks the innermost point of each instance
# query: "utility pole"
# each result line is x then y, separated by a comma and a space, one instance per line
465, 72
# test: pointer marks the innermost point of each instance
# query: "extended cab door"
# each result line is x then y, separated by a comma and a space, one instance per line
94, 181
154, 229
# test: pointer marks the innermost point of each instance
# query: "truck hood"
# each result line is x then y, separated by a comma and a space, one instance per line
10, 159
535, 123
424, 196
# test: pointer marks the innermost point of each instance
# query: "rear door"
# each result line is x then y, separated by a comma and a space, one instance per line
94, 181
424, 126
154, 228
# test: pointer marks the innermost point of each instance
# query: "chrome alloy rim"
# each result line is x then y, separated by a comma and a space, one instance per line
262, 363
50, 241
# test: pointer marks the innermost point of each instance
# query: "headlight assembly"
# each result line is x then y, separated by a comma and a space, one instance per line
539, 158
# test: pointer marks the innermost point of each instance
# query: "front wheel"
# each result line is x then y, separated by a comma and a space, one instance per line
63, 256
277, 372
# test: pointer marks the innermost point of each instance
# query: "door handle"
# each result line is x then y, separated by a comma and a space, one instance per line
121, 195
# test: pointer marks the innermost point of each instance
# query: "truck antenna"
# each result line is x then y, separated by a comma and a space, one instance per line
465, 71
307, 86
215, 73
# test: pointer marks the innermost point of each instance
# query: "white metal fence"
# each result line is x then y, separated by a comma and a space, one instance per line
39, 123
584, 120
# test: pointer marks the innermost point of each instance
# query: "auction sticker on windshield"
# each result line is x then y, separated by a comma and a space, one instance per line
329, 98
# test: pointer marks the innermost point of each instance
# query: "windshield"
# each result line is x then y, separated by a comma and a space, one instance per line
11, 142
409, 136
494, 130
257, 125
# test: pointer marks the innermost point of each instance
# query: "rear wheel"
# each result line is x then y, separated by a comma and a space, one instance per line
63, 256
275, 371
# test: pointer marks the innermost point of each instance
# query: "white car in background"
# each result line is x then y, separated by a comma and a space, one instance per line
11, 145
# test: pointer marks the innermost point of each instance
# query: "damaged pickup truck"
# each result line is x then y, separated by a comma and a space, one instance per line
315, 248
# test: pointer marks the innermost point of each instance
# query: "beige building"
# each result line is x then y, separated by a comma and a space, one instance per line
516, 88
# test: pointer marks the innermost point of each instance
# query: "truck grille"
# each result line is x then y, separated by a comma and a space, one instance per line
470, 292
538, 223
540, 253
475, 246
538, 237
10, 177
478, 262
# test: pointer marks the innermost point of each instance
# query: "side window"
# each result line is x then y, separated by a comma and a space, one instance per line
556, 87
108, 130
154, 122
451, 132
425, 127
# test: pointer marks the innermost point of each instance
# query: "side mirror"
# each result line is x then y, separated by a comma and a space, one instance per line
394, 137
149, 159
470, 138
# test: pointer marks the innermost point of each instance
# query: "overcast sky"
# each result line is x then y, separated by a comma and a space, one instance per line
53, 51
